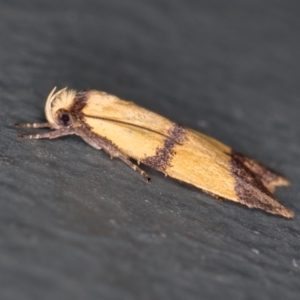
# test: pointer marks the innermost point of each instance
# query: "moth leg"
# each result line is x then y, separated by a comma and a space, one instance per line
109, 147
48, 135
127, 161
34, 125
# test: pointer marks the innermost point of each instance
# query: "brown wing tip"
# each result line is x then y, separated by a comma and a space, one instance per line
268, 204
253, 189
287, 213
270, 178
281, 181
276, 208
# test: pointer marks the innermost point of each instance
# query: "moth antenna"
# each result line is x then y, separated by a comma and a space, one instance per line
48, 106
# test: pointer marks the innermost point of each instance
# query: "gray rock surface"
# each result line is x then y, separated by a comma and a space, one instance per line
76, 225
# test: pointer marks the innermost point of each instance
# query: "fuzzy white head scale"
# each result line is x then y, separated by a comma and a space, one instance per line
62, 99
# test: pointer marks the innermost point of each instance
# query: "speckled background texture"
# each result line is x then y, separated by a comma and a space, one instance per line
76, 225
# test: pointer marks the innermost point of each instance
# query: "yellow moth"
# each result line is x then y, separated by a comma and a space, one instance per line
127, 131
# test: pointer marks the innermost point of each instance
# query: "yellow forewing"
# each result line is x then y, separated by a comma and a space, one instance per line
105, 106
200, 160
200, 163
135, 142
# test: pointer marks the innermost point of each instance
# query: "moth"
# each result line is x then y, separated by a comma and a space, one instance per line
136, 135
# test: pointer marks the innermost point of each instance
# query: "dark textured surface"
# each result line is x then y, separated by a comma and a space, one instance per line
76, 225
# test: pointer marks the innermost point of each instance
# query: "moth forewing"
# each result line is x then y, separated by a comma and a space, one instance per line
207, 168
128, 131
102, 106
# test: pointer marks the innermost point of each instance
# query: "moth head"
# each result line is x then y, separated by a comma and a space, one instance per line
57, 108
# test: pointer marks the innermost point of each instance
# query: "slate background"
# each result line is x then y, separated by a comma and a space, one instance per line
76, 225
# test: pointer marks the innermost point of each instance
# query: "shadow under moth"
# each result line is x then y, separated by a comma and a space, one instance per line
127, 131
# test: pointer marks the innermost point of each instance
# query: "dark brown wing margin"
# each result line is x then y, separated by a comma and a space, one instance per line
252, 185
